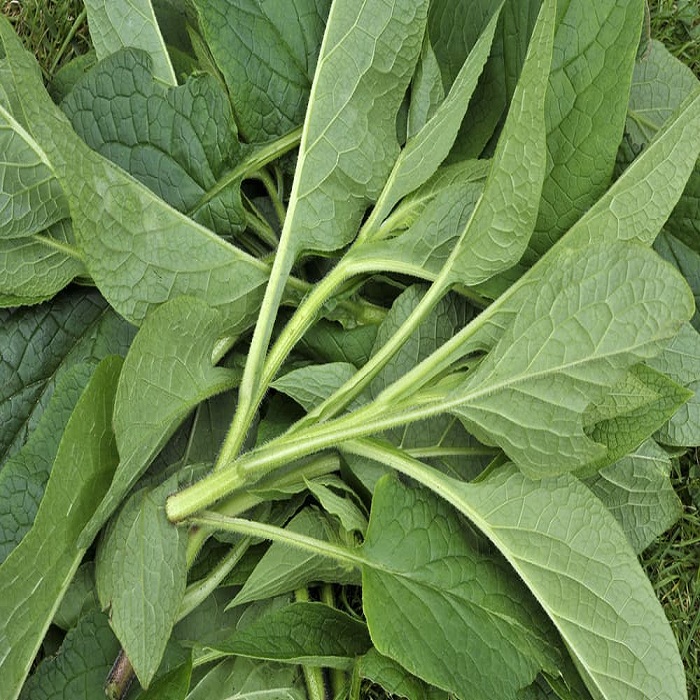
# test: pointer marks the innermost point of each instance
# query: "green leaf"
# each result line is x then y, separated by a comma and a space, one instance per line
139, 251
427, 90
36, 575
475, 631
283, 568
79, 669
311, 634
598, 313
177, 141
654, 399
344, 507
172, 686
252, 680
80, 598
23, 477
39, 344
141, 573
573, 556
638, 492
681, 361
267, 54
119, 23
394, 678
593, 59
310, 385
329, 342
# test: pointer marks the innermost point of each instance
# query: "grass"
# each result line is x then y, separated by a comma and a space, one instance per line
56, 31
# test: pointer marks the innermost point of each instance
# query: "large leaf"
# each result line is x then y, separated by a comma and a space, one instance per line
167, 372
601, 311
177, 141
79, 669
39, 344
36, 575
586, 106
474, 629
141, 577
267, 54
573, 556
638, 492
139, 251
115, 24
23, 478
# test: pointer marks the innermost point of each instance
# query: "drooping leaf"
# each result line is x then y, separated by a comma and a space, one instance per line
178, 141
283, 569
39, 344
573, 556
681, 361
427, 90
597, 314
338, 499
589, 86
79, 669
141, 577
23, 477
474, 630
167, 372
115, 24
36, 574
122, 226
638, 492
312, 634
267, 54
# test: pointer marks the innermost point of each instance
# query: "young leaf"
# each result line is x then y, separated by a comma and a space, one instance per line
572, 555
141, 572
283, 569
638, 492
39, 344
427, 90
598, 313
36, 575
167, 372
79, 669
344, 507
474, 630
178, 141
267, 54
119, 23
312, 634
23, 477
172, 686
594, 55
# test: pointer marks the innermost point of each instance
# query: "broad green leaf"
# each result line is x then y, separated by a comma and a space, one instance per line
395, 679
425, 150
23, 477
681, 362
327, 341
178, 141
80, 598
79, 669
638, 492
503, 220
311, 634
31, 198
115, 24
37, 573
310, 385
139, 251
167, 372
427, 90
349, 142
586, 105
686, 260
141, 573
651, 399
573, 556
39, 344
475, 631
283, 569
601, 311
174, 685
252, 680
267, 53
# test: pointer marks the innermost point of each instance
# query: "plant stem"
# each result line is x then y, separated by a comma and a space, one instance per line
272, 193
313, 675
69, 37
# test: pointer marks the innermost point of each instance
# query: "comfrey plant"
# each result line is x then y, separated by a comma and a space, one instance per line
373, 281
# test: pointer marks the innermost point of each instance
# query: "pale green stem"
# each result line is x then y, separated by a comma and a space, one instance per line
338, 678
272, 193
313, 675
